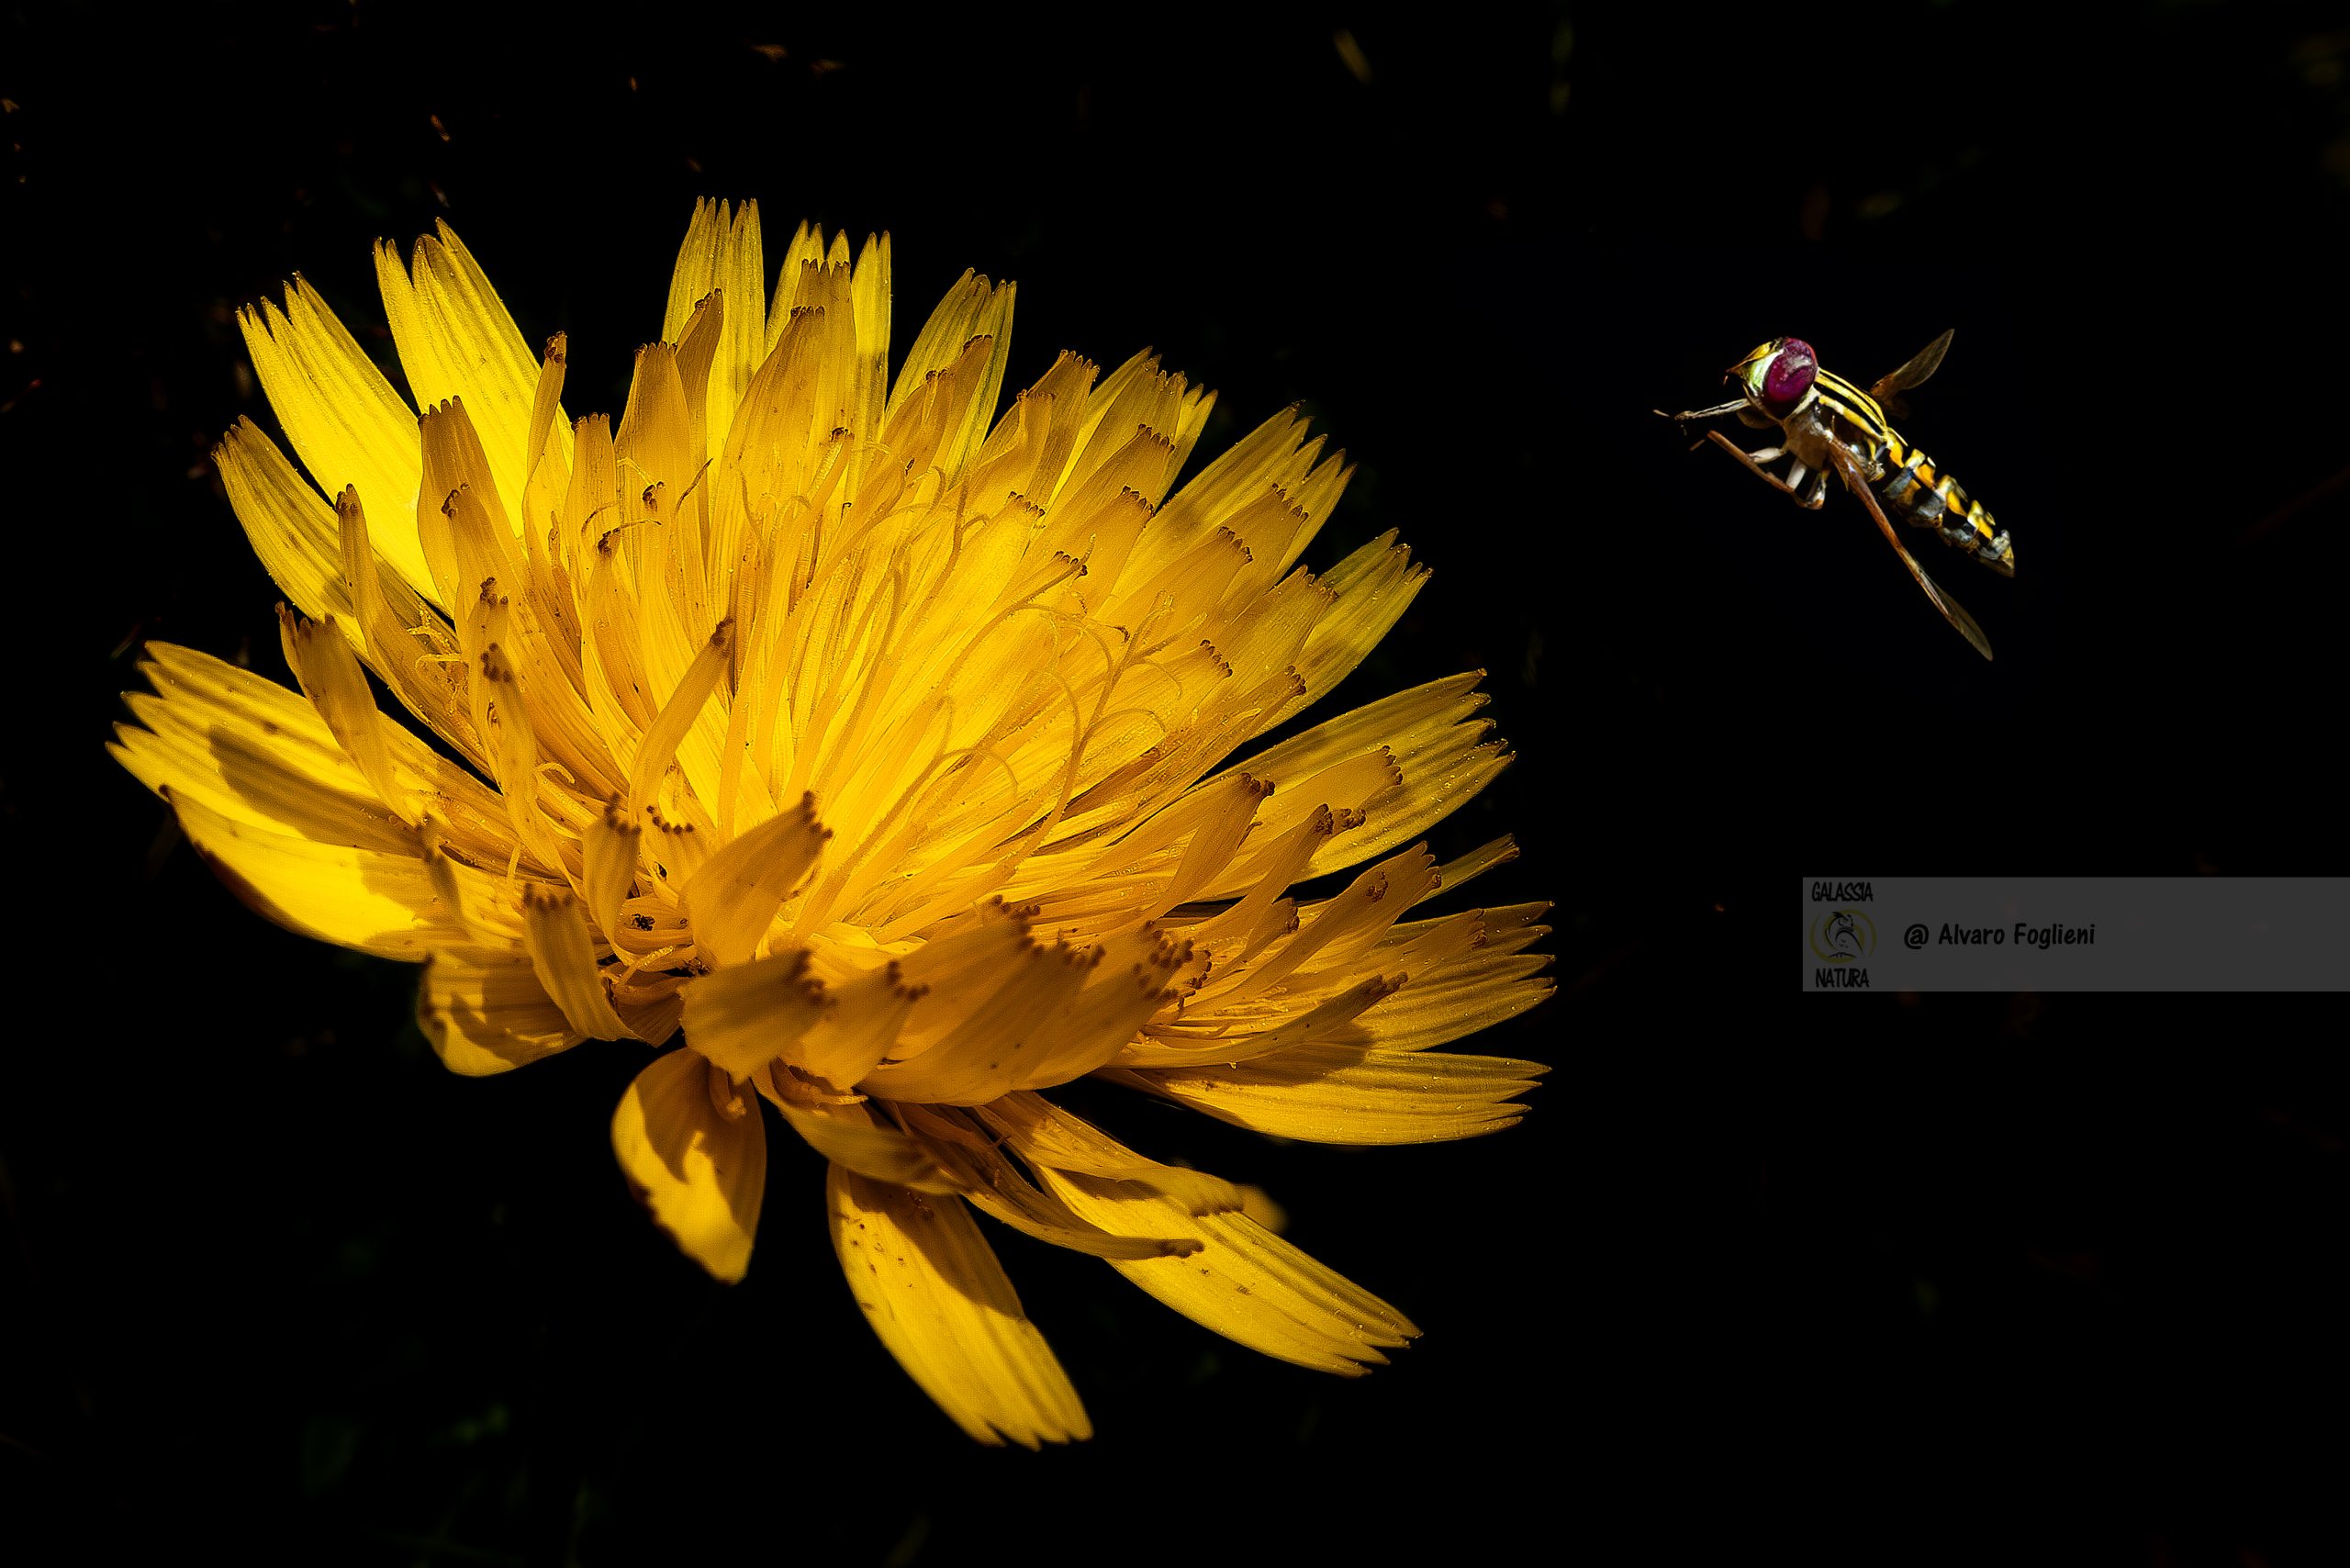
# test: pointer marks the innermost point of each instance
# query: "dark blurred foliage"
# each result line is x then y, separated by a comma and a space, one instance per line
1964, 1279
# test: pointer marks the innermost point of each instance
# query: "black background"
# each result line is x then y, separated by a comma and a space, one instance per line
1889, 1280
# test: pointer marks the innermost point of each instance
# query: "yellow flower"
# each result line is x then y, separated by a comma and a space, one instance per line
875, 744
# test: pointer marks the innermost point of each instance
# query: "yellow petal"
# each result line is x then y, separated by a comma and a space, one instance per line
485, 1011
256, 751
1374, 586
1430, 753
1258, 1206
1053, 1014
252, 751
505, 722
853, 1137
373, 900
1031, 448
692, 1146
1343, 1093
1403, 722
972, 310
653, 1021
1044, 1133
1472, 993
1331, 937
329, 671
663, 504
993, 1185
861, 1021
1453, 873
1208, 855
953, 970
655, 438
1345, 993
1274, 458
1245, 1283
970, 1064
1212, 1039
292, 527
933, 1289
546, 419
1434, 786
783, 443
402, 632
733, 896
805, 249
564, 955
455, 339
482, 904
695, 273
678, 715
744, 1015
696, 351
870, 295
456, 464
676, 850
723, 253
608, 854
344, 420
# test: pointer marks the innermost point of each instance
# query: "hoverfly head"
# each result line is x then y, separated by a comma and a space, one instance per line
1776, 377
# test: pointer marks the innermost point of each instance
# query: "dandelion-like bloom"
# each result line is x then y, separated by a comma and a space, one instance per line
875, 744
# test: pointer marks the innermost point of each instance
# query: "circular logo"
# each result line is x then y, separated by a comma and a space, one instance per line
1843, 937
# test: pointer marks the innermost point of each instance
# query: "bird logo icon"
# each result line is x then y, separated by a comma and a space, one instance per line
1843, 937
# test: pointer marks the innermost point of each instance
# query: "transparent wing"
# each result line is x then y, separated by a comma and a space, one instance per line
1921, 365
1848, 467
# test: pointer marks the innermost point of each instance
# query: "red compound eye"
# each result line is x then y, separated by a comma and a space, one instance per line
1790, 376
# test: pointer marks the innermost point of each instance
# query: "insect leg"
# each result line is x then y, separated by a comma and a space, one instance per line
1687, 415
1754, 461
1733, 406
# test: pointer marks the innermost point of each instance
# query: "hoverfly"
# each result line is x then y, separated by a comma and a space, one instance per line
1826, 422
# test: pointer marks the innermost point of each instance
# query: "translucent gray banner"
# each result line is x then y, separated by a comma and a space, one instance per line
2076, 934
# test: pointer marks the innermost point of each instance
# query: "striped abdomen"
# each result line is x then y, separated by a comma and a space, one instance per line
1914, 490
